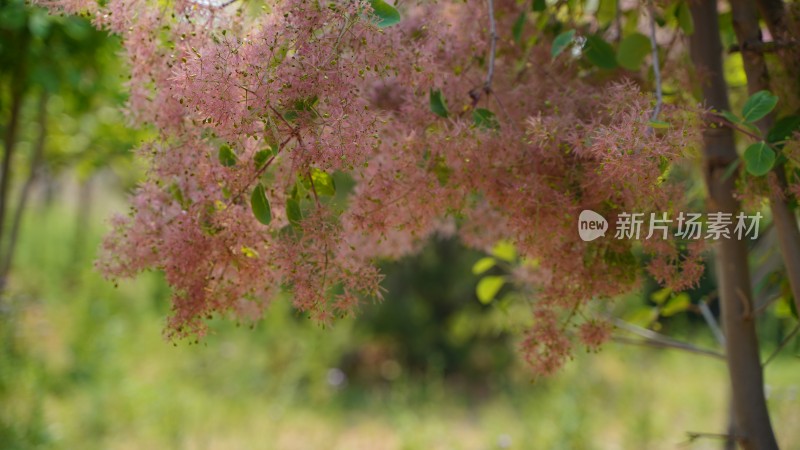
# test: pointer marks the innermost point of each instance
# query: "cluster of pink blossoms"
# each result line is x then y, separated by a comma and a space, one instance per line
303, 92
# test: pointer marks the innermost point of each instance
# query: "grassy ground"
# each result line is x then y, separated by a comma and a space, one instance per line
84, 366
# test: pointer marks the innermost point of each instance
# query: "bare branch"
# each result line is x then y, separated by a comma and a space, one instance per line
782, 345
712, 323
656, 66
660, 344
653, 339
763, 47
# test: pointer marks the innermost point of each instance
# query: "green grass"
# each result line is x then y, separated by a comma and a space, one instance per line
84, 366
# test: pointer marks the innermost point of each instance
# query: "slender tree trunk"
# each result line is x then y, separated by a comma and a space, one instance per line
733, 275
748, 33
18, 83
783, 28
36, 160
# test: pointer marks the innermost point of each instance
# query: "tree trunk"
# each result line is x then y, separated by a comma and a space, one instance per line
733, 275
748, 33
36, 161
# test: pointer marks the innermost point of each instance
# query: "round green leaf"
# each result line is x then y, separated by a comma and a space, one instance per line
484, 118
632, 51
261, 157
561, 42
323, 183
483, 265
438, 105
759, 159
293, 211
260, 205
783, 129
226, 156
488, 288
600, 53
387, 14
519, 24
685, 21
678, 303
758, 106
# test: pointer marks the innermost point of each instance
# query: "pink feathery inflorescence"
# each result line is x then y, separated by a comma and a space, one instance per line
324, 89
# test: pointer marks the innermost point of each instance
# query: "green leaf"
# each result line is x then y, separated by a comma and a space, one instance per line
323, 183
633, 50
484, 118
177, 194
293, 210
685, 21
658, 124
758, 105
600, 53
483, 264
539, 5
438, 105
226, 156
759, 158
676, 304
505, 250
561, 42
260, 205
642, 316
488, 288
442, 170
661, 295
731, 117
386, 12
519, 24
783, 129
261, 157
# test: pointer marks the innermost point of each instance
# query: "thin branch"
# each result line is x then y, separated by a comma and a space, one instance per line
695, 435
725, 122
763, 47
782, 345
712, 323
656, 66
659, 340
660, 344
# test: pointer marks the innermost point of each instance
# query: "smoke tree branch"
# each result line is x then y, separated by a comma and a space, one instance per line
656, 65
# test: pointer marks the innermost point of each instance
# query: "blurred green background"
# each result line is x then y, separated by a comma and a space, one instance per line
84, 365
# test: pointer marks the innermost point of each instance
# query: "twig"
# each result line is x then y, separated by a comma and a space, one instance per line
712, 323
695, 435
659, 340
762, 47
782, 345
656, 66
660, 344
734, 126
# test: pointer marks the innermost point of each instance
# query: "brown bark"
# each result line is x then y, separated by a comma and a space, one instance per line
748, 33
733, 274
784, 30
